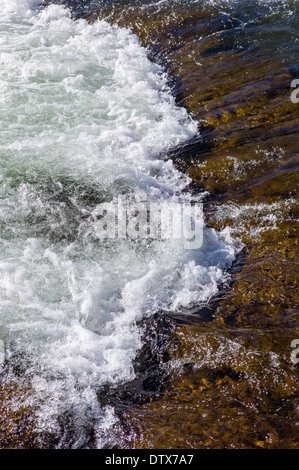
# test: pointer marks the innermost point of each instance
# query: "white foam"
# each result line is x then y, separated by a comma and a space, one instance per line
268, 216
83, 109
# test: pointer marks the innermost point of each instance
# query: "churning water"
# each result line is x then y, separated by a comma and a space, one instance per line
85, 116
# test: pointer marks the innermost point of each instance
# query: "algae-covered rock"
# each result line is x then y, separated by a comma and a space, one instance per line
16, 415
231, 382
240, 393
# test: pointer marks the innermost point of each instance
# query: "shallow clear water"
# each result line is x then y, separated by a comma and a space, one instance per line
85, 117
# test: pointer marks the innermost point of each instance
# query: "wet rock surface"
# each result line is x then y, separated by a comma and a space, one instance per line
16, 417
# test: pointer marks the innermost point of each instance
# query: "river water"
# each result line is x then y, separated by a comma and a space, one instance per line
89, 115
